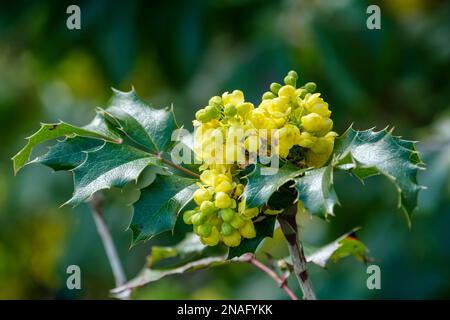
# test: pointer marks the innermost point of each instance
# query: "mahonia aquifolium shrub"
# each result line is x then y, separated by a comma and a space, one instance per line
297, 116
232, 200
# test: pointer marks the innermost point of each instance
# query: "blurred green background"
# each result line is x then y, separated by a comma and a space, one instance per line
186, 52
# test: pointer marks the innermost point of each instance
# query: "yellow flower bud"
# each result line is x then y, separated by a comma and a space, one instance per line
248, 230
232, 240
289, 92
234, 98
223, 200
250, 213
224, 186
243, 109
207, 177
212, 239
314, 122
314, 103
201, 195
307, 140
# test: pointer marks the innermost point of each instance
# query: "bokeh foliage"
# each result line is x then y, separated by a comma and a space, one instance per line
184, 53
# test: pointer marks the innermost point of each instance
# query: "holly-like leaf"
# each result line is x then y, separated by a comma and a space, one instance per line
149, 127
112, 165
190, 249
263, 228
344, 246
157, 208
316, 191
367, 153
49, 131
149, 275
67, 154
260, 187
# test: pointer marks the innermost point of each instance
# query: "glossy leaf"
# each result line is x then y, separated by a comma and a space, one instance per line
149, 127
112, 165
344, 246
259, 187
316, 191
67, 154
367, 153
157, 208
49, 131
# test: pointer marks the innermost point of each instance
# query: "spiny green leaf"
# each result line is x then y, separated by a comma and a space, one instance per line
263, 228
188, 255
316, 191
157, 208
346, 245
260, 187
67, 154
367, 153
48, 131
149, 127
191, 248
112, 165
149, 275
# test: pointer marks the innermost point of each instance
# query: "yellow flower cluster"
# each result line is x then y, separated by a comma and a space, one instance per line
219, 215
230, 130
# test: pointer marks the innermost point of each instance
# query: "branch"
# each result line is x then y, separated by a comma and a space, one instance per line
108, 243
176, 166
289, 228
250, 258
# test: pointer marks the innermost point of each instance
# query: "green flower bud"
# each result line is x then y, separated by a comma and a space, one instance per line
274, 87
230, 110
293, 74
237, 222
226, 229
215, 101
302, 93
202, 116
204, 230
207, 207
268, 95
311, 87
212, 112
290, 81
187, 215
199, 218
227, 214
